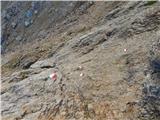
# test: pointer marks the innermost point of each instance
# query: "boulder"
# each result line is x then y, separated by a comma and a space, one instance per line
14, 25
36, 12
29, 13
18, 38
26, 23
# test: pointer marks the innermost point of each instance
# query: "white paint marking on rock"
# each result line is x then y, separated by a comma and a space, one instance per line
125, 50
81, 74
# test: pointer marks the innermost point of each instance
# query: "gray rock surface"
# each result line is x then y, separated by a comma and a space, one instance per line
113, 54
22, 13
25, 93
47, 63
18, 38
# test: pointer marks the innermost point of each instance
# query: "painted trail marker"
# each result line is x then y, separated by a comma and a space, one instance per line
53, 76
125, 50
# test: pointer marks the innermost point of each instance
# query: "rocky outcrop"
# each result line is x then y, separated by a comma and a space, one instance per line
151, 88
47, 63
23, 22
30, 94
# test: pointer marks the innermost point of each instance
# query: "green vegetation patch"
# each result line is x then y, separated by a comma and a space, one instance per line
150, 2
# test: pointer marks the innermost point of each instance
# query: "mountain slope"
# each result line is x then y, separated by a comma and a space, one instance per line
106, 60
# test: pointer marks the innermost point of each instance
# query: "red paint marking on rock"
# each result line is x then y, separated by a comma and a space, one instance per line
53, 76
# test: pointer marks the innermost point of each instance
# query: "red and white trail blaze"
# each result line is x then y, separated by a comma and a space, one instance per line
53, 76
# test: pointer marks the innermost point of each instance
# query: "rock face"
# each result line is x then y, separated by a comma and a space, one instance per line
151, 100
20, 93
47, 63
108, 70
29, 16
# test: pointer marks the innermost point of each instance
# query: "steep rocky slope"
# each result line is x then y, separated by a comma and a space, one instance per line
26, 21
106, 56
